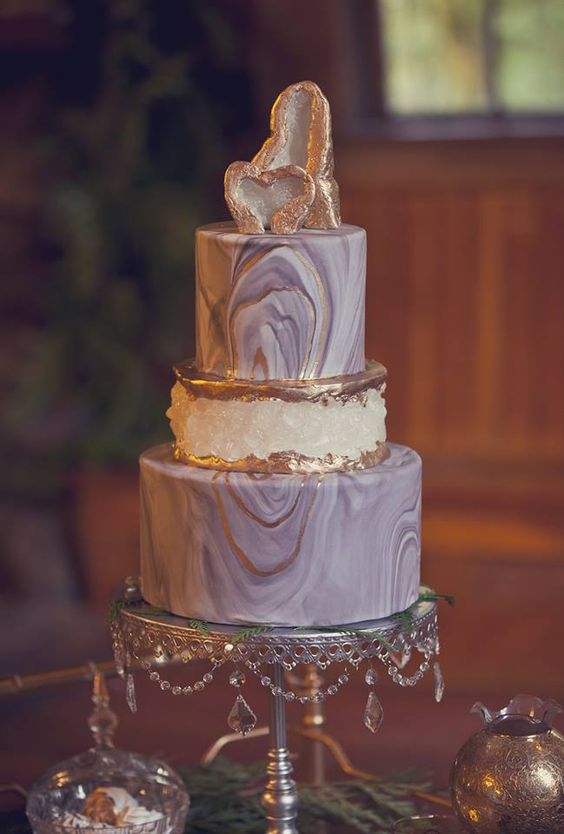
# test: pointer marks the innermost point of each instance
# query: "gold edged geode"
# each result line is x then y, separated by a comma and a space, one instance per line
282, 214
314, 152
344, 388
300, 145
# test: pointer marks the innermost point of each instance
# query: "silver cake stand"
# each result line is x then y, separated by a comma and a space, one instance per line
151, 640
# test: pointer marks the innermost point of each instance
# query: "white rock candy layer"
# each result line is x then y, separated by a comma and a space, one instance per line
234, 429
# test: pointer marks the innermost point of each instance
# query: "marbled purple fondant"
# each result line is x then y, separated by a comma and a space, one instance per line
280, 549
280, 306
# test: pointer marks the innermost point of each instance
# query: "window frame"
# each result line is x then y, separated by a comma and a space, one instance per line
370, 114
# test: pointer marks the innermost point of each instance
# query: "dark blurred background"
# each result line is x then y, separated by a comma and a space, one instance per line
118, 120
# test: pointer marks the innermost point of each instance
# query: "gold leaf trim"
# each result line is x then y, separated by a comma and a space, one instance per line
285, 463
344, 388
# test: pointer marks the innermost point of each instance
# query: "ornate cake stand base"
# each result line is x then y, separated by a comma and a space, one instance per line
153, 639
280, 798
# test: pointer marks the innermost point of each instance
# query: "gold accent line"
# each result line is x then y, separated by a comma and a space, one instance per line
249, 264
287, 463
240, 553
343, 388
324, 308
270, 524
258, 300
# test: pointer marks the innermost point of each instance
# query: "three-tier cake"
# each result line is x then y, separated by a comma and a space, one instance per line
280, 501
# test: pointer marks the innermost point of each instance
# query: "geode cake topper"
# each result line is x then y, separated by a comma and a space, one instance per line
289, 183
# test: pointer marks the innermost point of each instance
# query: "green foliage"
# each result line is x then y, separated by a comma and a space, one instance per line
130, 168
199, 625
426, 595
114, 609
226, 797
432, 596
250, 631
473, 56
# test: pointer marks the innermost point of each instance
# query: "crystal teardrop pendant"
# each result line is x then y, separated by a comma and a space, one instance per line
374, 713
130, 692
439, 682
241, 719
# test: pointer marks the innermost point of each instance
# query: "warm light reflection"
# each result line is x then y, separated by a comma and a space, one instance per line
490, 783
473, 815
548, 777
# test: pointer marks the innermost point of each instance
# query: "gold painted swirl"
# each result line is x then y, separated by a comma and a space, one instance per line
263, 523
310, 268
243, 557
247, 304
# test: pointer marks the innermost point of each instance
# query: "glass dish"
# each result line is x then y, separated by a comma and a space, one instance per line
434, 824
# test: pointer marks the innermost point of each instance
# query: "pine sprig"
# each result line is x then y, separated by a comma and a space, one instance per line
404, 618
250, 631
117, 605
200, 626
154, 612
432, 596
362, 634
226, 797
114, 609
407, 617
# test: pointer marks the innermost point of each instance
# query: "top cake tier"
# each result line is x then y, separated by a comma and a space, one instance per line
280, 306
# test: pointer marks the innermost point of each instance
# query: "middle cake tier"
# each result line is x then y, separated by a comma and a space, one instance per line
313, 549
315, 425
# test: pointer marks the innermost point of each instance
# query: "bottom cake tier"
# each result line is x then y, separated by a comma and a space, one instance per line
313, 549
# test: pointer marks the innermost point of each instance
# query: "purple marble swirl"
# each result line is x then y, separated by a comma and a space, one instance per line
280, 549
280, 306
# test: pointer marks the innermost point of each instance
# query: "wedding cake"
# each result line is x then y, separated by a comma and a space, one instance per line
280, 501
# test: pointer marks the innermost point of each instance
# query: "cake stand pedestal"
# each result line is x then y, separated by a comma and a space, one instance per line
152, 640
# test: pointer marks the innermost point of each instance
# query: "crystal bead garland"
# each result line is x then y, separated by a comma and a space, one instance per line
402, 658
289, 695
197, 686
373, 712
241, 719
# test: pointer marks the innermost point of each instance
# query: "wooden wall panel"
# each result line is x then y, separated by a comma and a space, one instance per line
465, 306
